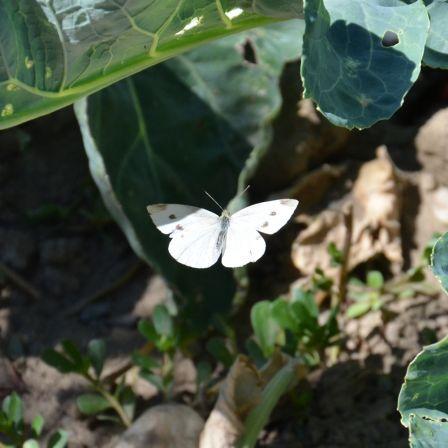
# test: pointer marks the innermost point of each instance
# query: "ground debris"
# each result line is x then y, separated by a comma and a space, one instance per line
376, 201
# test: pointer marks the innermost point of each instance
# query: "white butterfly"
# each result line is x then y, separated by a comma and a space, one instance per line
198, 237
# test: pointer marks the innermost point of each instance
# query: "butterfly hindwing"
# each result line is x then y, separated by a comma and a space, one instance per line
266, 217
242, 246
197, 247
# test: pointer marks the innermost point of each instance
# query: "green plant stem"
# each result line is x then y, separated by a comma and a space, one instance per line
257, 419
114, 403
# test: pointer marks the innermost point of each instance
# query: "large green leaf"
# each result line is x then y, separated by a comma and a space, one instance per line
436, 52
55, 52
423, 400
182, 127
439, 261
349, 68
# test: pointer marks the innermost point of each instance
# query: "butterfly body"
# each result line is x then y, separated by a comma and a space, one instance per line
199, 237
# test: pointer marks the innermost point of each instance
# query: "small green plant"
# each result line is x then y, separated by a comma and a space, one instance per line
162, 332
377, 294
104, 396
16, 433
293, 326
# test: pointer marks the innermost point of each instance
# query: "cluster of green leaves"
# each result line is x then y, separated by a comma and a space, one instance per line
51, 56
376, 293
103, 397
162, 332
294, 327
17, 434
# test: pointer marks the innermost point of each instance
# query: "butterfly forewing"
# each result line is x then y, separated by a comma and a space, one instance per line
170, 218
267, 217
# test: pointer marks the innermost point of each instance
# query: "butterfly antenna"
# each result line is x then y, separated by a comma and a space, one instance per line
244, 191
214, 200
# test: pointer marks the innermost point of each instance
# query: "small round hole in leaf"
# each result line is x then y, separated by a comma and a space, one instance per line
390, 39
249, 52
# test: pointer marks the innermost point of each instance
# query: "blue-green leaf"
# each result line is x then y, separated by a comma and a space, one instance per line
439, 261
436, 51
423, 399
55, 52
350, 64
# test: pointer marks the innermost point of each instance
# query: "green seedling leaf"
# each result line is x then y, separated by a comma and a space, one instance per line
336, 255
96, 351
360, 58
163, 322
356, 282
155, 380
217, 347
281, 312
423, 399
358, 309
128, 400
266, 329
72, 352
58, 440
157, 136
13, 408
255, 353
375, 279
148, 331
203, 372
58, 361
31, 443
439, 261
37, 425
145, 361
91, 404
306, 299
321, 281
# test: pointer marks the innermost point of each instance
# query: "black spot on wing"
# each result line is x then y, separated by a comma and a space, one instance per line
172, 216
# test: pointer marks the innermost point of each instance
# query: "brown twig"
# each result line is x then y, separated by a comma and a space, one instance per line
105, 291
343, 272
20, 282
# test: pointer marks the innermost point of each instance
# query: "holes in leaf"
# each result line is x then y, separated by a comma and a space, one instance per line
390, 39
249, 53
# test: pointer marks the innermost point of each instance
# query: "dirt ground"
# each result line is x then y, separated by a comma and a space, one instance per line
55, 233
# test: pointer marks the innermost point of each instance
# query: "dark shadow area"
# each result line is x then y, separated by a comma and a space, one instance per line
56, 234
